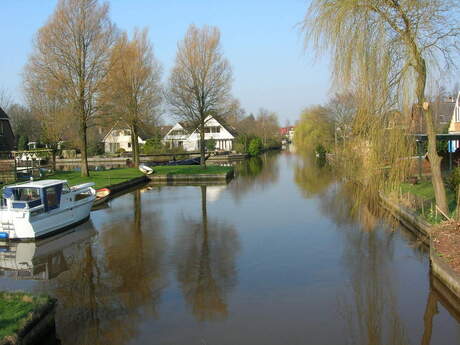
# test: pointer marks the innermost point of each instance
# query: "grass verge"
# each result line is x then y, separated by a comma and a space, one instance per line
424, 191
102, 178
191, 170
16, 309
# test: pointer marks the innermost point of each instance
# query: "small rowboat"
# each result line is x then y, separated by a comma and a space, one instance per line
145, 169
102, 193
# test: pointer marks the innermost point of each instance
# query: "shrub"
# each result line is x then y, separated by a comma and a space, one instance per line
95, 149
242, 143
22, 143
255, 147
210, 144
153, 145
454, 180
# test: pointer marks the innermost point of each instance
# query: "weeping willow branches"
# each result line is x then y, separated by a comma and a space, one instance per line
385, 51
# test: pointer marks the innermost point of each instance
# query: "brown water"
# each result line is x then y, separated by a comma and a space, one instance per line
281, 255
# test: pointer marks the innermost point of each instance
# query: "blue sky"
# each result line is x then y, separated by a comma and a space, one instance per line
259, 37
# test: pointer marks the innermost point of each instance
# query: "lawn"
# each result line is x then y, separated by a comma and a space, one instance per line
425, 191
191, 170
102, 178
16, 309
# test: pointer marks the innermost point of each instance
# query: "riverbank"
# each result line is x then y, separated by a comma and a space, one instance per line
193, 173
443, 240
102, 179
24, 318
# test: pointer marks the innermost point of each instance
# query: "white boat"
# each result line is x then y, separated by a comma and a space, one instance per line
145, 169
38, 209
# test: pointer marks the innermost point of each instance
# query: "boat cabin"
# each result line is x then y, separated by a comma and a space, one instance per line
46, 193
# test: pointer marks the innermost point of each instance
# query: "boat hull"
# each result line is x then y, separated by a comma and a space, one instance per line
47, 224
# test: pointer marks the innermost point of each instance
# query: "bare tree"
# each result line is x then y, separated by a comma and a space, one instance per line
5, 99
24, 122
385, 49
200, 82
70, 60
267, 126
132, 91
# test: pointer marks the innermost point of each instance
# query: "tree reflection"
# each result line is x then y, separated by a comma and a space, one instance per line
313, 176
108, 306
204, 256
253, 173
369, 306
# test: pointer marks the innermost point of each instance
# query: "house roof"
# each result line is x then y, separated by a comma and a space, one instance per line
3, 115
119, 125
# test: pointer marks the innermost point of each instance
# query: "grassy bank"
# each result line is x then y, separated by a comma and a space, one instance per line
101, 178
191, 170
424, 192
16, 309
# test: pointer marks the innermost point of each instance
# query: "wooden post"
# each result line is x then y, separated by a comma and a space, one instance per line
53, 160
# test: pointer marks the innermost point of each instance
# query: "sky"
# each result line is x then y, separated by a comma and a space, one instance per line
260, 38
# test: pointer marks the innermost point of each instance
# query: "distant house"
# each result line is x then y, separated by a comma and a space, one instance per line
454, 126
181, 135
119, 137
287, 132
7, 140
442, 116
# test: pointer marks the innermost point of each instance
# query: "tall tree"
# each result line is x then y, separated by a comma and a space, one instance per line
24, 122
132, 89
70, 60
267, 126
200, 82
5, 99
385, 48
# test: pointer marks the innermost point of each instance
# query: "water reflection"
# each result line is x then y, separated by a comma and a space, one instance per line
106, 294
368, 303
312, 176
255, 173
204, 256
44, 259
319, 266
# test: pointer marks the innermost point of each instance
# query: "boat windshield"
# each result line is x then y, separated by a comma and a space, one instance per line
26, 194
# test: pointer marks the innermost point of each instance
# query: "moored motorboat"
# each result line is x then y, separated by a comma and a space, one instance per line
38, 209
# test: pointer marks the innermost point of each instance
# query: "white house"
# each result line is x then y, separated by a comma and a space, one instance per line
119, 138
180, 136
176, 136
454, 127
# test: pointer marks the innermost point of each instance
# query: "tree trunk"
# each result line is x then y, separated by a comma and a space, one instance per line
202, 146
435, 163
83, 149
435, 160
135, 145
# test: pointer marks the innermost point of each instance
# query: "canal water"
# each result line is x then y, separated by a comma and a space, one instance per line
283, 254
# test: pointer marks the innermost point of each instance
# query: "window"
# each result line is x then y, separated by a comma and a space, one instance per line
52, 198
27, 194
129, 144
212, 129
65, 188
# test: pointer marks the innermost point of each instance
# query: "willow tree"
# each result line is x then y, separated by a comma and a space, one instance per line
200, 82
132, 91
386, 50
70, 60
